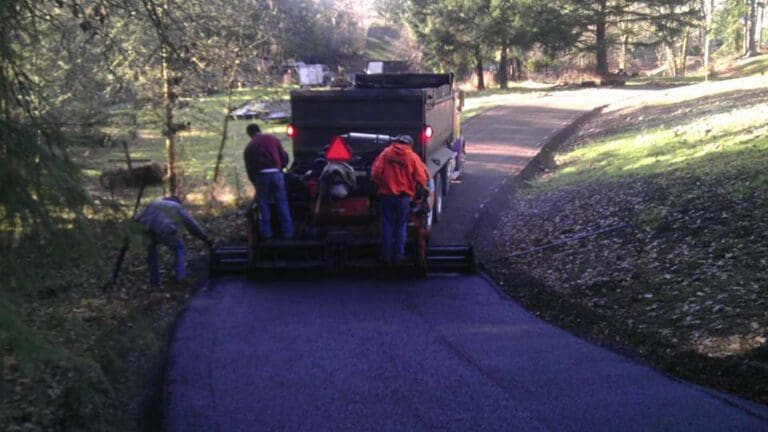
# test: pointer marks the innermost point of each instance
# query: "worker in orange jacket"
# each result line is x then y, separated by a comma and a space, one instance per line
398, 171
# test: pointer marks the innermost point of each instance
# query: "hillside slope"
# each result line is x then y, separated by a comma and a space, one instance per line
648, 231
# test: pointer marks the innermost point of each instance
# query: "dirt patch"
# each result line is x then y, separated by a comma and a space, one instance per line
669, 268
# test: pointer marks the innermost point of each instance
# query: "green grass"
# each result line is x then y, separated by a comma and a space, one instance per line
693, 140
196, 148
727, 70
752, 66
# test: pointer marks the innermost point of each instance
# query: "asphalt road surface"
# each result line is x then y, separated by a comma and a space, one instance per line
502, 141
433, 354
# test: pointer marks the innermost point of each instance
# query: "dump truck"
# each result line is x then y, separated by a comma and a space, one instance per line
337, 135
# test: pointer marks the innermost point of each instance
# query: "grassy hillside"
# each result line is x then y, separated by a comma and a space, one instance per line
744, 67
669, 202
723, 69
723, 132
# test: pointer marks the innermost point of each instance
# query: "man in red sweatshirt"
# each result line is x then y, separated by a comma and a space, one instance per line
265, 159
397, 171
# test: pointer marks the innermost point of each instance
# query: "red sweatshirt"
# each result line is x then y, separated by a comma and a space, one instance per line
264, 152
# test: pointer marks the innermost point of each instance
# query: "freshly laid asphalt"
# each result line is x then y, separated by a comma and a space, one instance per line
438, 353
441, 353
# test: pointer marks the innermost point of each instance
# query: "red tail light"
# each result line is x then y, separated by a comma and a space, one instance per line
338, 150
426, 134
290, 130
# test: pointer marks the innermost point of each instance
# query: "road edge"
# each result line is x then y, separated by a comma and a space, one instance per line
503, 193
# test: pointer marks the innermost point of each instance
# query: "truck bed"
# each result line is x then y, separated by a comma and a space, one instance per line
379, 104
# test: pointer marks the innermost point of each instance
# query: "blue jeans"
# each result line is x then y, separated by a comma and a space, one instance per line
174, 243
394, 224
270, 188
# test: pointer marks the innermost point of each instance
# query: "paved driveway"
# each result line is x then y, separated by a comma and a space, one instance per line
439, 353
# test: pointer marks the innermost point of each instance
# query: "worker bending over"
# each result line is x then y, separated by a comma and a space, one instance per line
161, 219
398, 171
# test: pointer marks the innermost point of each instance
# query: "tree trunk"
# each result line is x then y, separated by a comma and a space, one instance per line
624, 52
504, 65
763, 24
169, 130
760, 25
220, 155
5, 111
518, 68
169, 100
671, 60
684, 53
751, 28
168, 124
479, 69
745, 35
601, 38
707, 6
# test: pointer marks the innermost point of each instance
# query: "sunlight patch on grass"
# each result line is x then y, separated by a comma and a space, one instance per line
752, 66
732, 140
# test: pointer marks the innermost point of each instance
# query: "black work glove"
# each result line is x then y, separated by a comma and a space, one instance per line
422, 192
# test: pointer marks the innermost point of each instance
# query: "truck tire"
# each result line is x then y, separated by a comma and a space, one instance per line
445, 173
437, 206
457, 165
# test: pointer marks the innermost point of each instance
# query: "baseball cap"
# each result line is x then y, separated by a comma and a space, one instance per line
405, 139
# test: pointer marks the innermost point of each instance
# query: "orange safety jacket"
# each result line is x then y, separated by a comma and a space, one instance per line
397, 170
